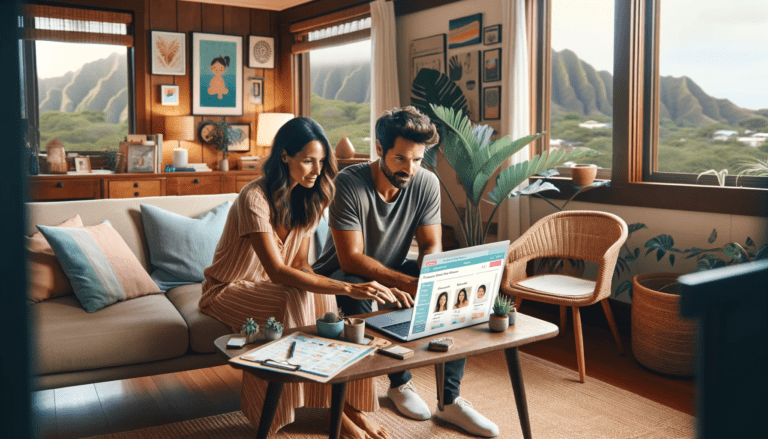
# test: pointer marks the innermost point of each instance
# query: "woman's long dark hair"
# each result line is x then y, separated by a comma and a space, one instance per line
458, 298
300, 207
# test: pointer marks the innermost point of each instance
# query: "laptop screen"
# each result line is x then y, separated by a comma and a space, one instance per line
457, 288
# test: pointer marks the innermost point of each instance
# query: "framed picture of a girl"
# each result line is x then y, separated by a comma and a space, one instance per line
217, 74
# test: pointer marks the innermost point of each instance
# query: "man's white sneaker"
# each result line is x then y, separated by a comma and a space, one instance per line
462, 415
408, 402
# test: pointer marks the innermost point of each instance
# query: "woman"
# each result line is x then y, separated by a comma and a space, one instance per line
260, 266
442, 302
480, 293
461, 299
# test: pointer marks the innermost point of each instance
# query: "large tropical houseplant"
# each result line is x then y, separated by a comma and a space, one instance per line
474, 157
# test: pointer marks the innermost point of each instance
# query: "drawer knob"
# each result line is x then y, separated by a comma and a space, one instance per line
136, 185
195, 181
135, 194
59, 184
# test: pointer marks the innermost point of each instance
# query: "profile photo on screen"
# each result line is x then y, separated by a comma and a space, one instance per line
442, 302
461, 299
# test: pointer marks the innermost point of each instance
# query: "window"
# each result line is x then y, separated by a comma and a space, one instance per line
334, 58
658, 153
75, 77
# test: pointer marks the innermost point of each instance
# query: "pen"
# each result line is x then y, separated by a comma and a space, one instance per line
293, 349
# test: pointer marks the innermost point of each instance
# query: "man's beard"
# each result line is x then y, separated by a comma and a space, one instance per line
400, 180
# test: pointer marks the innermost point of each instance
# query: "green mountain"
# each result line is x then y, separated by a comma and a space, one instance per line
349, 82
578, 88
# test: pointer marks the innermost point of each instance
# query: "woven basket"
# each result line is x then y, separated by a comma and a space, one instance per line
661, 340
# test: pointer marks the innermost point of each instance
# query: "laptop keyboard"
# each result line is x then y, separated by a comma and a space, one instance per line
399, 328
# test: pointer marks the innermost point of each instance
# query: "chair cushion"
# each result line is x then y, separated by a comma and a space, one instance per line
559, 285
99, 264
203, 329
68, 338
181, 247
46, 278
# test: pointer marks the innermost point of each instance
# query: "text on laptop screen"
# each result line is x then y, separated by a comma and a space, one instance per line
457, 290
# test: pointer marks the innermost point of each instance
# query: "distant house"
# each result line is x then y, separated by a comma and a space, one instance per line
761, 135
752, 141
723, 134
592, 124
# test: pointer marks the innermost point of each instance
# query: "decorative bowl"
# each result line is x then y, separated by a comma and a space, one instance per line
329, 330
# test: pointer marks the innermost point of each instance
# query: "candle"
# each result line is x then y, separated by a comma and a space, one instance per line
180, 157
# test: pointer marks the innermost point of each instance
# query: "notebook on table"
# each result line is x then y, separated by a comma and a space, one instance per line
446, 275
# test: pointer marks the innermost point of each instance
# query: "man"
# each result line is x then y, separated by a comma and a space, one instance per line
377, 210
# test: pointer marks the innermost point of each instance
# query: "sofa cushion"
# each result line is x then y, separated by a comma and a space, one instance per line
99, 265
68, 338
181, 247
45, 277
203, 329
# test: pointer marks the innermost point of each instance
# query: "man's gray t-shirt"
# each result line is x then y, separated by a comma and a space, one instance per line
388, 228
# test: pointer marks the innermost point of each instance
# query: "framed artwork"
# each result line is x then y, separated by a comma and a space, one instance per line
465, 31
427, 53
492, 103
492, 65
141, 158
217, 74
82, 164
464, 71
169, 53
244, 144
492, 35
255, 90
261, 52
169, 94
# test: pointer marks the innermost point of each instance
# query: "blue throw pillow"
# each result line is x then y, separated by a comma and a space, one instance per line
180, 248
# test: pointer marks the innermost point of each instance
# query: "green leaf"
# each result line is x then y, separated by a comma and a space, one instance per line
433, 87
635, 227
624, 286
762, 253
534, 188
750, 242
713, 236
672, 259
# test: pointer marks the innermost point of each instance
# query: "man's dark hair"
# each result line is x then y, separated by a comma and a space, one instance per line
408, 123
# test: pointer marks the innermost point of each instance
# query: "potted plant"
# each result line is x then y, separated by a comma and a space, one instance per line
250, 330
331, 324
583, 175
512, 313
499, 320
273, 330
354, 330
222, 135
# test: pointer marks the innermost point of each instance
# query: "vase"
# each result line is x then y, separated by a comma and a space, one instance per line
661, 340
498, 323
512, 318
344, 149
329, 330
354, 330
271, 334
583, 175
224, 164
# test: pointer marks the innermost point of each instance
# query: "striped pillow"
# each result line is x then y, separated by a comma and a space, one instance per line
99, 264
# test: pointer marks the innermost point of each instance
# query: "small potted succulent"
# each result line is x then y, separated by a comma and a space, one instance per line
499, 320
250, 330
273, 330
512, 313
331, 324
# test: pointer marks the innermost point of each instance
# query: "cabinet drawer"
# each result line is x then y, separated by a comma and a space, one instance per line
135, 188
64, 189
244, 180
198, 185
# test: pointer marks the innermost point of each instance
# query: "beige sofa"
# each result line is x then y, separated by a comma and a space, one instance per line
148, 335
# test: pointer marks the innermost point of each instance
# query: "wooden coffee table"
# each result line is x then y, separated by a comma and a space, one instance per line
474, 340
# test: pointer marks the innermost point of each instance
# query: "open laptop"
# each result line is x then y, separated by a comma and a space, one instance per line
472, 274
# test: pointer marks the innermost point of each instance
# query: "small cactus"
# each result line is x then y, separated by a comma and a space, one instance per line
250, 326
502, 306
332, 317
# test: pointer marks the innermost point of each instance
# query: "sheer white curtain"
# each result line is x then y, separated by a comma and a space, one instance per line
514, 215
385, 94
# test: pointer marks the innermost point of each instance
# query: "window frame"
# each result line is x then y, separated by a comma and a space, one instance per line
635, 122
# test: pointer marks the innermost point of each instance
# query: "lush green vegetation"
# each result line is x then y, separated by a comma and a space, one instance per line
681, 148
340, 118
84, 131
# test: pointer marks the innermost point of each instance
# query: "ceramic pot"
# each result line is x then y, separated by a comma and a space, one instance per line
344, 149
583, 175
250, 338
224, 164
354, 330
329, 330
498, 324
271, 334
512, 318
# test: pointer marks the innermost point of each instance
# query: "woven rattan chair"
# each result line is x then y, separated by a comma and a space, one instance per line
587, 235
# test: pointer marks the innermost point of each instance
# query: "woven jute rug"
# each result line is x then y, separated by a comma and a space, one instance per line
559, 407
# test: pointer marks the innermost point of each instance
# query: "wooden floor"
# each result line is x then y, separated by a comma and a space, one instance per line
102, 408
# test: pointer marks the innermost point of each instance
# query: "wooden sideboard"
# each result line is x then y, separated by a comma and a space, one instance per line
50, 187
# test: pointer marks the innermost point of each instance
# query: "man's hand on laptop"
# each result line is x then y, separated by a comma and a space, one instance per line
403, 298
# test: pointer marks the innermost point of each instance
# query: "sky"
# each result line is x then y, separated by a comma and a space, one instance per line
56, 59
721, 45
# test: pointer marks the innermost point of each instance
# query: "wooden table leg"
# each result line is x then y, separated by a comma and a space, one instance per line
440, 378
338, 395
270, 408
516, 375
